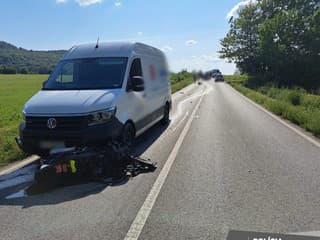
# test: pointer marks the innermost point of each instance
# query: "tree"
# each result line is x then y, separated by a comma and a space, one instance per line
24, 70
277, 41
8, 70
241, 43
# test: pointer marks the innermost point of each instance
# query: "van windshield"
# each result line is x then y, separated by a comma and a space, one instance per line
88, 73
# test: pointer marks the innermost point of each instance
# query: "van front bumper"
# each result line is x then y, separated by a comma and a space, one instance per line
32, 140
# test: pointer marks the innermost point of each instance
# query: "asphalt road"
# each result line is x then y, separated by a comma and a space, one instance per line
237, 169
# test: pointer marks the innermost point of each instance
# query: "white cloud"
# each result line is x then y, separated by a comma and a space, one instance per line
234, 11
167, 49
61, 1
118, 4
140, 33
85, 3
191, 42
209, 58
199, 62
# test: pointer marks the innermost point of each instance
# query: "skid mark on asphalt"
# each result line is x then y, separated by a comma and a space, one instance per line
180, 107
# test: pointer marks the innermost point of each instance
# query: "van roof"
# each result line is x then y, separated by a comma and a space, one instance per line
111, 49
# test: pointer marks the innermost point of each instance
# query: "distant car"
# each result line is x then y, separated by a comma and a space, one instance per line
215, 72
219, 78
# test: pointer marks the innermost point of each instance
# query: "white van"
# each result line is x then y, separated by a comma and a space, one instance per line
98, 93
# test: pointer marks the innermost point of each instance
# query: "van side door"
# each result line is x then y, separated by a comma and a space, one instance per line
136, 100
154, 87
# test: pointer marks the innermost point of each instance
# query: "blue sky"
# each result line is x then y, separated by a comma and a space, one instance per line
187, 30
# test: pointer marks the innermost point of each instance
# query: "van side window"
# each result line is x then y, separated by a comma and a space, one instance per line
66, 75
135, 71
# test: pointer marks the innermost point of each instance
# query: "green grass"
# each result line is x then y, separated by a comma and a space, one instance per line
180, 80
294, 104
236, 78
15, 90
181, 84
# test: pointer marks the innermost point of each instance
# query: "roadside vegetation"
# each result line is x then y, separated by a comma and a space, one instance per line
276, 45
14, 60
277, 42
295, 104
181, 80
16, 89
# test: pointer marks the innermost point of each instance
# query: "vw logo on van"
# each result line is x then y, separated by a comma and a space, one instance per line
52, 123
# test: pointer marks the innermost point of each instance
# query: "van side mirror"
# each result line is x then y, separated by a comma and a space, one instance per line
137, 84
44, 83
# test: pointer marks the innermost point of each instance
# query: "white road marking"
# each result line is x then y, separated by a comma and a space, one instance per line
16, 181
19, 172
19, 165
178, 124
297, 131
144, 212
311, 234
179, 111
19, 194
20, 176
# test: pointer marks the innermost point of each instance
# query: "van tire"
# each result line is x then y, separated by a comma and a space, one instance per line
166, 115
44, 154
128, 134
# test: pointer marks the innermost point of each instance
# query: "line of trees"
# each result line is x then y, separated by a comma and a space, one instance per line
18, 60
24, 70
277, 41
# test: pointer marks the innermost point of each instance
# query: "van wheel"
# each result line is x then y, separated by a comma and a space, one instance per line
128, 134
44, 154
166, 117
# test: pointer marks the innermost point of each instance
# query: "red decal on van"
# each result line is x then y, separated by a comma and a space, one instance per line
152, 72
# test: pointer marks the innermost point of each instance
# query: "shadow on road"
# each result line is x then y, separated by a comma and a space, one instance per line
80, 189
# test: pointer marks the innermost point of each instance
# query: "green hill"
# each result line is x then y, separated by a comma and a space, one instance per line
20, 60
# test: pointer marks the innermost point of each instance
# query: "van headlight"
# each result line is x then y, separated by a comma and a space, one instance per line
102, 116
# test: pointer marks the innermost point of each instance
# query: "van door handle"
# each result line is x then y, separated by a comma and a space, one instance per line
144, 95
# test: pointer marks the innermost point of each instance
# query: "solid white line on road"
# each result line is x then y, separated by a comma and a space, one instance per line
144, 212
16, 181
19, 165
311, 234
19, 194
178, 124
299, 132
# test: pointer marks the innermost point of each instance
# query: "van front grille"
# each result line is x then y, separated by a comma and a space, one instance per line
65, 123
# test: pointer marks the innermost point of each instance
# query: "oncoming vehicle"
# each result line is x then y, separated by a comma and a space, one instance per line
219, 78
98, 93
215, 72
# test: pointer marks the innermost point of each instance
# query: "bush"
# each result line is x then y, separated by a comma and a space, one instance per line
276, 107
313, 124
24, 71
181, 80
294, 97
8, 70
236, 78
292, 104
311, 101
